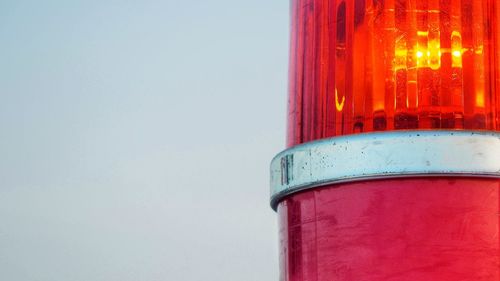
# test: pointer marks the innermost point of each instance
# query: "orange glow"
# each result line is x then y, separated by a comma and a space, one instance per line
480, 99
371, 65
339, 105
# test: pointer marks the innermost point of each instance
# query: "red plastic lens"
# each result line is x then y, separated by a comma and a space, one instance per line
375, 65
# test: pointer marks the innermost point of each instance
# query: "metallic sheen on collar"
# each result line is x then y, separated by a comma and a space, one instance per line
382, 155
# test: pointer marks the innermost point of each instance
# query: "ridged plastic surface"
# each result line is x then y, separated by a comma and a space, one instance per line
376, 65
444, 229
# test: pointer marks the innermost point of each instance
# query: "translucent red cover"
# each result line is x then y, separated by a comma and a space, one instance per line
374, 65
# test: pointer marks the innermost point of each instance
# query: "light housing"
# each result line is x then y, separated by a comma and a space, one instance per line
392, 170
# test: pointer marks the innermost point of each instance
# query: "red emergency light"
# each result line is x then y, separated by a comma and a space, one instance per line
378, 65
392, 170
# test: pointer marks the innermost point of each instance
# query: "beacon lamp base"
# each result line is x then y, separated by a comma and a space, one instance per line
404, 229
392, 206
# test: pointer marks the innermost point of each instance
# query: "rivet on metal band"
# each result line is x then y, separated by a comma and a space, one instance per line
383, 155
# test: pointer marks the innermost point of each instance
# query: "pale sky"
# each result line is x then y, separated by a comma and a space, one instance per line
136, 138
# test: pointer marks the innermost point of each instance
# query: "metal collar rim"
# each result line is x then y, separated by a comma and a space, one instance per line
385, 155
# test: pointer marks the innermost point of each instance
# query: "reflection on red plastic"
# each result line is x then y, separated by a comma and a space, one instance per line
405, 229
374, 65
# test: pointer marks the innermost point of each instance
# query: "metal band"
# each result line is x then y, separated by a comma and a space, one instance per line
382, 155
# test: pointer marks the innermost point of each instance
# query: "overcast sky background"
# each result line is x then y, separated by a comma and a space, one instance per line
135, 138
